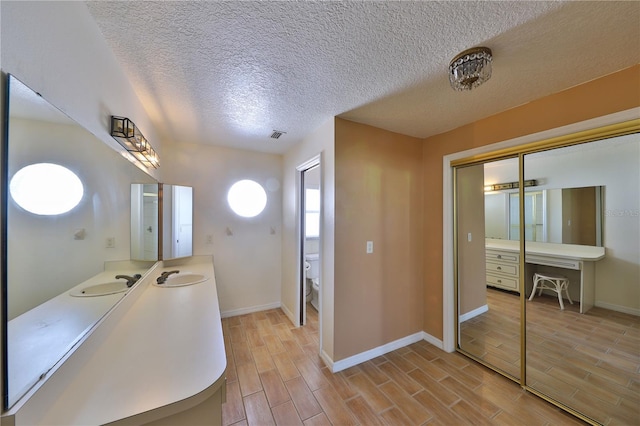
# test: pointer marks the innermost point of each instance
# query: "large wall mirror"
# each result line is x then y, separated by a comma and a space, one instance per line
62, 235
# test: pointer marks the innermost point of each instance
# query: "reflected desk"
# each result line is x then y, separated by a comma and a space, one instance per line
578, 262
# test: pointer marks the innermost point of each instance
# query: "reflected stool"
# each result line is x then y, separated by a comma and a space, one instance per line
555, 283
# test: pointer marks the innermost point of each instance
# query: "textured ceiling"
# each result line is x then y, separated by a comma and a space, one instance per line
229, 73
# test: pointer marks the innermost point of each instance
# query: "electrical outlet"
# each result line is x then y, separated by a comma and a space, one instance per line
369, 247
110, 242
209, 239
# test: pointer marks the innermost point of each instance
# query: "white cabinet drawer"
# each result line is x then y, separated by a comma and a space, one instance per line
503, 268
502, 256
502, 282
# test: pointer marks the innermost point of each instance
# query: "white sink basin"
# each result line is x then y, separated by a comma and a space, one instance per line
182, 279
101, 289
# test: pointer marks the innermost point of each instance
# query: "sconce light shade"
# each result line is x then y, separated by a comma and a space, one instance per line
470, 68
128, 135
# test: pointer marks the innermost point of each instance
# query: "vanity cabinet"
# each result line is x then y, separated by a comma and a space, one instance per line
503, 269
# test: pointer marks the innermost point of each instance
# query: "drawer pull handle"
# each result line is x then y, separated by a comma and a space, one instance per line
500, 281
499, 268
499, 256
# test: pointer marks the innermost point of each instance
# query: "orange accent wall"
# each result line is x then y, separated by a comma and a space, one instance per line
378, 197
613, 93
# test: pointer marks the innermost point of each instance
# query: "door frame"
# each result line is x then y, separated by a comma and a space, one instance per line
300, 273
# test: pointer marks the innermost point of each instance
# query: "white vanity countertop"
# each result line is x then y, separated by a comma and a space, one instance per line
38, 338
565, 251
164, 347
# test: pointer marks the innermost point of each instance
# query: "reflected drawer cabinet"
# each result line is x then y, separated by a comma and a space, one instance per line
503, 269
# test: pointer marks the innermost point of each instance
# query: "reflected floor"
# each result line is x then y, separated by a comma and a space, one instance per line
590, 361
494, 336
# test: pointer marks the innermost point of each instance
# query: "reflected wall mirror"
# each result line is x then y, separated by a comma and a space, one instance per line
563, 215
161, 221
581, 354
47, 255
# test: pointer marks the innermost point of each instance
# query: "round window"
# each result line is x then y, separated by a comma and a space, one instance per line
46, 189
247, 198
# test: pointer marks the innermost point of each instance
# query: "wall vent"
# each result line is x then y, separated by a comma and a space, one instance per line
276, 134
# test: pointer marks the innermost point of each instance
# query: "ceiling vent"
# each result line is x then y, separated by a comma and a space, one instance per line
276, 134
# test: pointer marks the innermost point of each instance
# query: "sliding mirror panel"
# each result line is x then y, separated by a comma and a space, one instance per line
487, 268
583, 347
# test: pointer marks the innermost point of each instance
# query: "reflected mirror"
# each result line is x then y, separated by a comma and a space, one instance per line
555, 211
170, 206
52, 258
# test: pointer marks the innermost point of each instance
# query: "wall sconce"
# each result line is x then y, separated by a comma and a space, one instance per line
128, 135
509, 185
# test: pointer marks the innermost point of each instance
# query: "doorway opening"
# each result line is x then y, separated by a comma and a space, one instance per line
310, 241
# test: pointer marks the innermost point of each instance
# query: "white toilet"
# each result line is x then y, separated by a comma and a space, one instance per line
313, 275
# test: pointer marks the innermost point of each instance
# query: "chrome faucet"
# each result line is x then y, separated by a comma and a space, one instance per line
130, 280
163, 277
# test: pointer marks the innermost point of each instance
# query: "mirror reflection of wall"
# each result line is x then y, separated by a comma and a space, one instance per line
48, 254
177, 217
144, 221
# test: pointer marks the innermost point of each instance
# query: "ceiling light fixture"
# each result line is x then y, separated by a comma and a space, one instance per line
470, 68
128, 135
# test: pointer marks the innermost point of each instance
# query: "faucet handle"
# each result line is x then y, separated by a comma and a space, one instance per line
164, 275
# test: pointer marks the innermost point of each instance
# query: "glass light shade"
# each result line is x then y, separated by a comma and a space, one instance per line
46, 189
470, 68
247, 198
128, 135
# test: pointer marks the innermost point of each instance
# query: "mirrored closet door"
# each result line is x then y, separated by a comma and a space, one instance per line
585, 354
487, 266
558, 313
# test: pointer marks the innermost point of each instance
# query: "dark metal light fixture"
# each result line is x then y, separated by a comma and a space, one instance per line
128, 135
470, 68
509, 185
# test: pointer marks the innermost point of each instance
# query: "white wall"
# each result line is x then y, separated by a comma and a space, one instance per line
56, 49
248, 262
321, 142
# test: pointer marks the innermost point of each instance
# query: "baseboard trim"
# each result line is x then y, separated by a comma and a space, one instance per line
289, 315
438, 343
250, 310
343, 364
618, 308
478, 311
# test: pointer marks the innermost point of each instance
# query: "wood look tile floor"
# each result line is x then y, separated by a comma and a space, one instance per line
590, 361
276, 377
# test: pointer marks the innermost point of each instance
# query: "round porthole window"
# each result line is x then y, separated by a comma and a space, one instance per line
247, 198
46, 189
